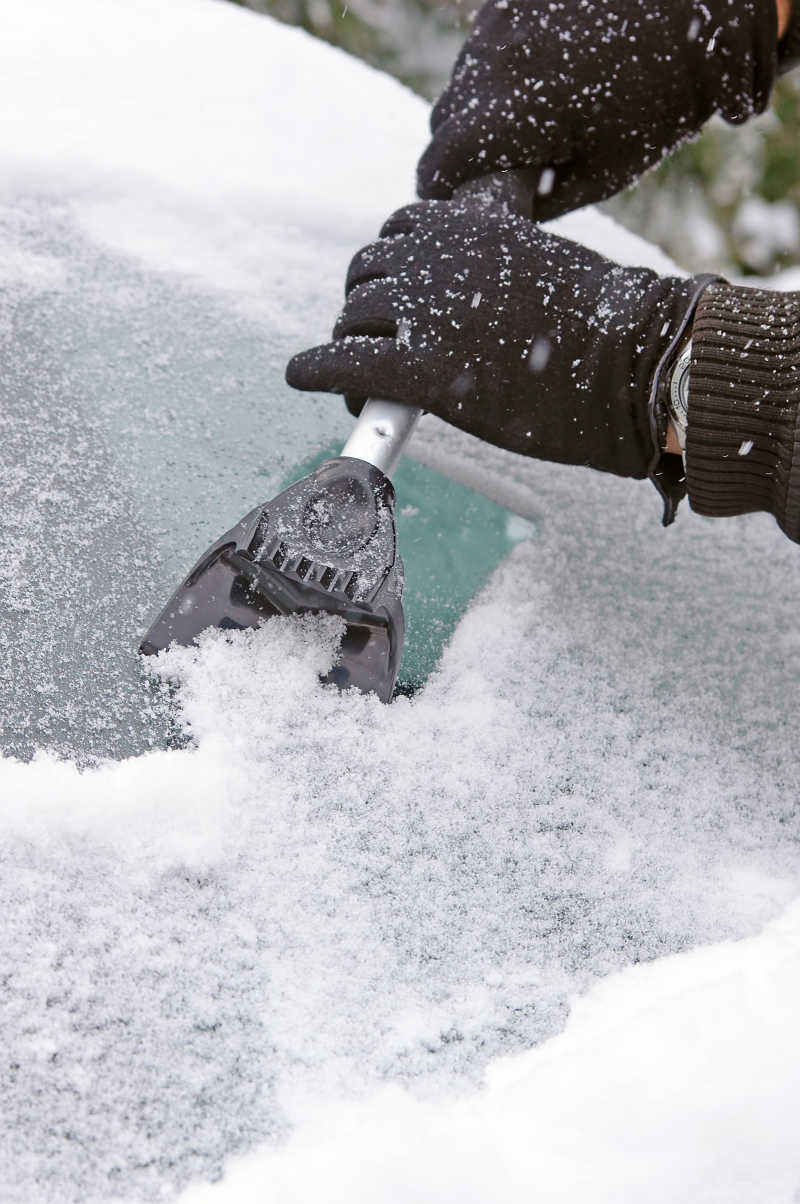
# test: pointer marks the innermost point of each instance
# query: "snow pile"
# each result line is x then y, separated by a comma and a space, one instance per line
206, 141
321, 924
319, 898
646, 1096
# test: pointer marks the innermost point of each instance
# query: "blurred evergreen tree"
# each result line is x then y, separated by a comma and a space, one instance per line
728, 202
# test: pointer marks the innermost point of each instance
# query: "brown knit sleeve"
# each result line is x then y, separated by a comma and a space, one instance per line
743, 439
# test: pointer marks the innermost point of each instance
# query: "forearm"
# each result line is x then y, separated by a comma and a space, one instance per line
784, 13
672, 444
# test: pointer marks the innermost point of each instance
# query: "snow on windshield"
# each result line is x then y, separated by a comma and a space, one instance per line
317, 927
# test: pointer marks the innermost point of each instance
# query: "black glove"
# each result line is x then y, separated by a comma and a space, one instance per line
522, 338
594, 92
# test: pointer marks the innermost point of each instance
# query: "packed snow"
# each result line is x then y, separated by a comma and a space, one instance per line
531, 934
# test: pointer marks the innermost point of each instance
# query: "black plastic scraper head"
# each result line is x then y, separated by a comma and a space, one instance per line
326, 544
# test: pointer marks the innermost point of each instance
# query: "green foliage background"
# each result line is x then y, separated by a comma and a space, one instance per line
729, 201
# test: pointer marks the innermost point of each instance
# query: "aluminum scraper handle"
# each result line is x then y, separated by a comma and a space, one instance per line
381, 433
384, 427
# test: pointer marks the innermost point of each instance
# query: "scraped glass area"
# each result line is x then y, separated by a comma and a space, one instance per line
450, 539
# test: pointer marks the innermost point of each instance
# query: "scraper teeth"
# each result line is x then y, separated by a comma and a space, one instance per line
329, 578
349, 585
269, 564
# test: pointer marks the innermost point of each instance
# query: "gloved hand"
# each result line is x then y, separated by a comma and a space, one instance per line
522, 338
593, 93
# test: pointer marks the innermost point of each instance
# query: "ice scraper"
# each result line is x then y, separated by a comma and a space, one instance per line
327, 544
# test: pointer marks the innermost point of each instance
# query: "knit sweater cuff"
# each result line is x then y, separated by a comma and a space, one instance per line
789, 45
743, 440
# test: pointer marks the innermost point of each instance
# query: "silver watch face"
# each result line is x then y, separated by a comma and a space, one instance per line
679, 389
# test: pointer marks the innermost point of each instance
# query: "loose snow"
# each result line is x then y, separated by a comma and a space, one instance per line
532, 934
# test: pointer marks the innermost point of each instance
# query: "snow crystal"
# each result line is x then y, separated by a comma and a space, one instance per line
539, 354
404, 332
546, 181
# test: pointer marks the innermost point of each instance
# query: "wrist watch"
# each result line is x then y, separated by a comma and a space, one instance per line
678, 394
